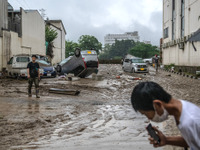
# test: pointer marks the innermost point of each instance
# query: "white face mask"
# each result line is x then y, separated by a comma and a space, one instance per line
161, 118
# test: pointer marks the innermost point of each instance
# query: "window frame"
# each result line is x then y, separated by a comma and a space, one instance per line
18, 58
166, 33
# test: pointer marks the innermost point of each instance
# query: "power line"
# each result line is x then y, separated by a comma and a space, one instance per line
26, 3
18, 5
21, 4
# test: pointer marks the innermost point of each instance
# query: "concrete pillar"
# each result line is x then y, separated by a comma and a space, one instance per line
3, 15
6, 42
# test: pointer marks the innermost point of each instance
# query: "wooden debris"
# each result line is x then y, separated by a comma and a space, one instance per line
64, 91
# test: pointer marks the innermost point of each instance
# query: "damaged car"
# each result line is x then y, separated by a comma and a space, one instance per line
82, 64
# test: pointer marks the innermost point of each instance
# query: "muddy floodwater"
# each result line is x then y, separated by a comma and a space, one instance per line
100, 117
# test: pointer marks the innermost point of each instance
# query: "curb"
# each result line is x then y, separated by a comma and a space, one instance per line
180, 73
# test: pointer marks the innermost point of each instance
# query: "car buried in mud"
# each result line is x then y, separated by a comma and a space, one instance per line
82, 64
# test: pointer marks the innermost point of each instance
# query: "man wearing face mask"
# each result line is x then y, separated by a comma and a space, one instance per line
151, 100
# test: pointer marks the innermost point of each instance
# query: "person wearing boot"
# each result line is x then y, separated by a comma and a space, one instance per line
33, 74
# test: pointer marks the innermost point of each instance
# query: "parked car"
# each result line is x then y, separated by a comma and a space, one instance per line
148, 61
82, 64
135, 65
42, 57
49, 71
17, 66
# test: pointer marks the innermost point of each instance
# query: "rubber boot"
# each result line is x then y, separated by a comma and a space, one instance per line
29, 93
37, 93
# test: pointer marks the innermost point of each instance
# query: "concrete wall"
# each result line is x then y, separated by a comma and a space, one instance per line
6, 49
172, 54
31, 42
3, 15
33, 33
16, 44
57, 50
59, 42
1, 55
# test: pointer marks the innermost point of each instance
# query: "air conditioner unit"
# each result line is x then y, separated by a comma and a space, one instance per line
181, 45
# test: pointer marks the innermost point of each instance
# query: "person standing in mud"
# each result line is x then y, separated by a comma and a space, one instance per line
151, 100
156, 62
33, 73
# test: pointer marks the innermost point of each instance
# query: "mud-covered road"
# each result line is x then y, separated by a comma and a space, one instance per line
100, 117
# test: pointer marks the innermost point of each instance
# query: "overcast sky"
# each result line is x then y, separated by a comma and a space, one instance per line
101, 17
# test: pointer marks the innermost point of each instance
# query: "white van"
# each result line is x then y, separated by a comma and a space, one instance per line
17, 66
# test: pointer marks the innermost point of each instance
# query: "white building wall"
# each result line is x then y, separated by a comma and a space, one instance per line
1, 55
57, 51
16, 45
59, 42
32, 40
62, 35
110, 38
33, 33
172, 54
63, 42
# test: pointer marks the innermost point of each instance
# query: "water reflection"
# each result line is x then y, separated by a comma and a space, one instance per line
33, 107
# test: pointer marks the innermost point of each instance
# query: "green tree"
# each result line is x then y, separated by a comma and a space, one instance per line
89, 42
117, 50
50, 36
143, 50
104, 55
70, 47
121, 48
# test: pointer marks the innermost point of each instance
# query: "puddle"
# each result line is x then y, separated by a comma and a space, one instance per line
104, 127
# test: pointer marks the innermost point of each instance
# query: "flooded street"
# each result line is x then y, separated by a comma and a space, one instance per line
100, 117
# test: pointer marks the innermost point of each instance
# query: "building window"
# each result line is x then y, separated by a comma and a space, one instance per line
166, 35
173, 19
182, 18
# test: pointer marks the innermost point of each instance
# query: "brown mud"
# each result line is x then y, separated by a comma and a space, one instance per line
101, 117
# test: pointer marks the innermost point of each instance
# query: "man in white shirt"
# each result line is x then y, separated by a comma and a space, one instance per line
151, 100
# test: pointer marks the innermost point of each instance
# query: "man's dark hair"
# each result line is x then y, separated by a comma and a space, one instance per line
34, 56
145, 93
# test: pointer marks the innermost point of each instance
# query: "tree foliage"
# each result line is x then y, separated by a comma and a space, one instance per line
118, 50
121, 48
143, 50
50, 36
70, 47
89, 42
105, 53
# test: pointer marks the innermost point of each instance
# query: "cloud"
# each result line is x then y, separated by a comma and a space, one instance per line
101, 17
